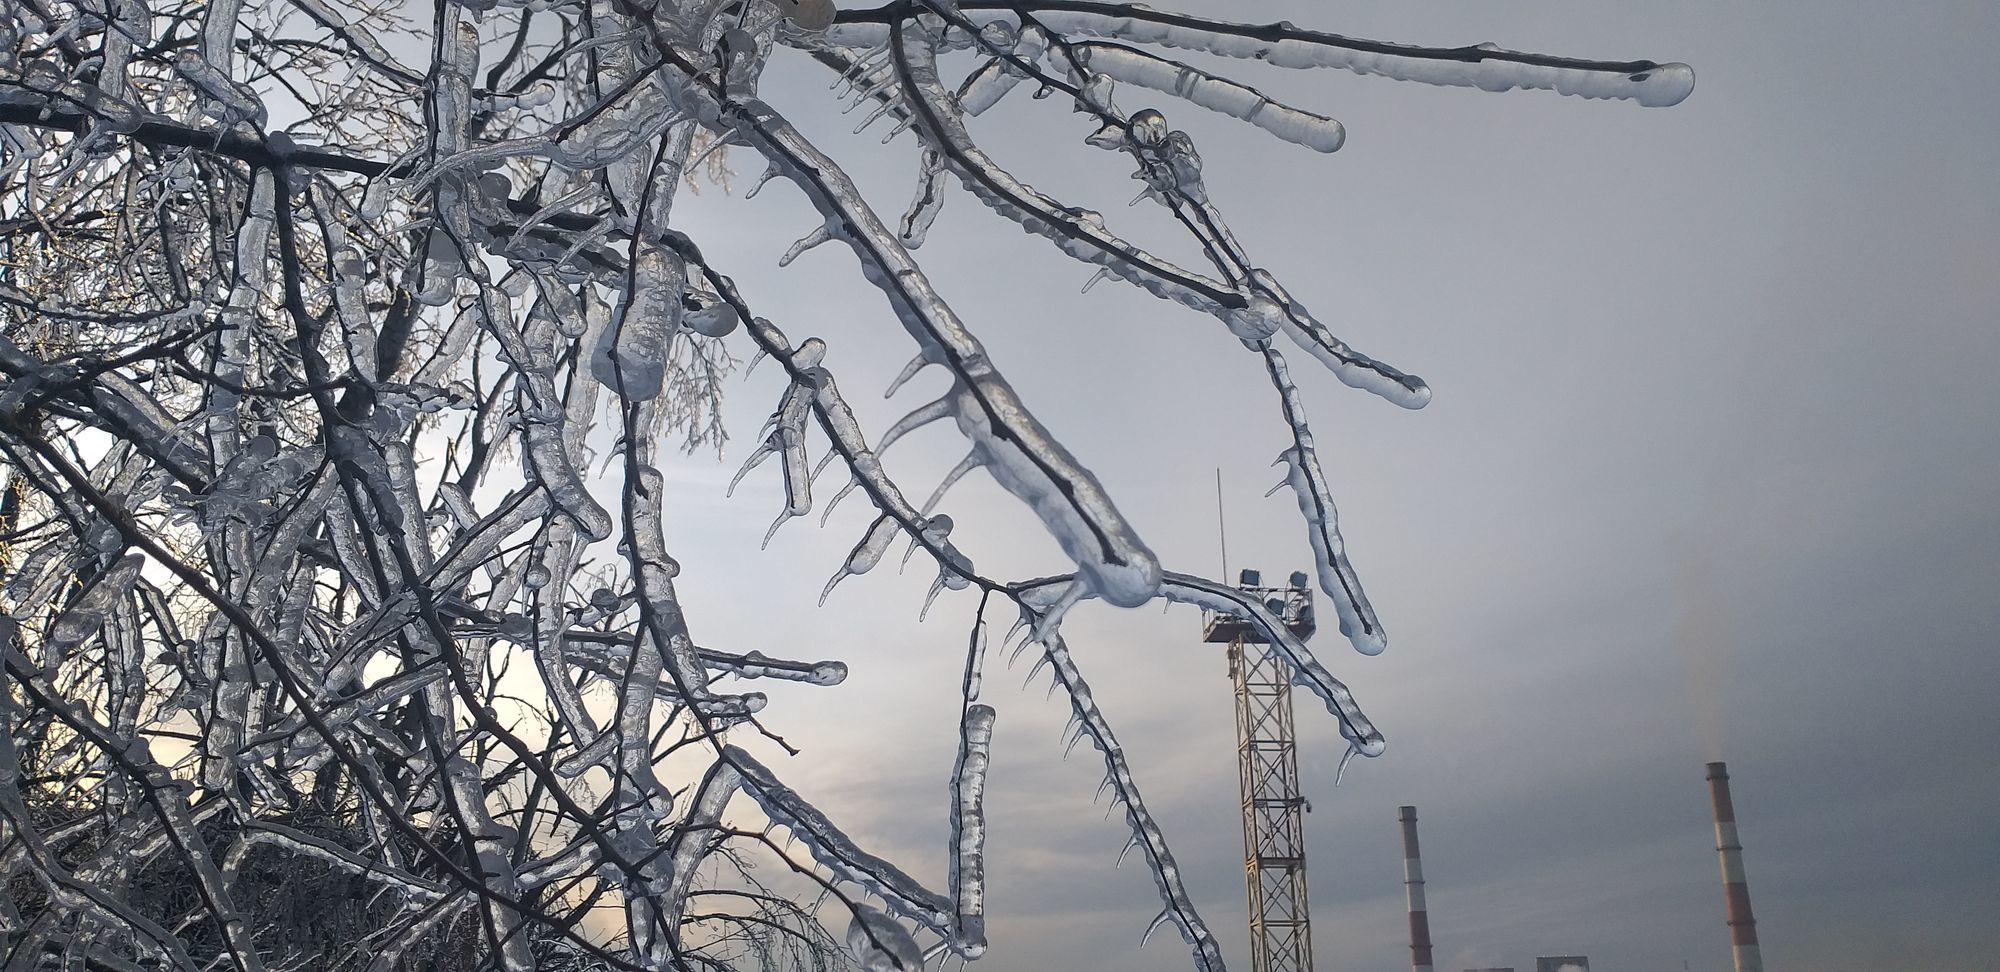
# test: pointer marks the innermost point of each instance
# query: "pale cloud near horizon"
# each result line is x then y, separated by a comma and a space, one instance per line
1710, 474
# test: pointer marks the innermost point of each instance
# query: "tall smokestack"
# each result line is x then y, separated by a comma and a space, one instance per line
1413, 885
1735, 890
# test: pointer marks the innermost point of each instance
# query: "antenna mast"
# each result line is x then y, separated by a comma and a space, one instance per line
1221, 527
1274, 853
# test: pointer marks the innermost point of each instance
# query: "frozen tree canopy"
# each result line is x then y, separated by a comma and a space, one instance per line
341, 348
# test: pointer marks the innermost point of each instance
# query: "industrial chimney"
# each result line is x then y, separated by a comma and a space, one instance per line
1735, 890
1413, 885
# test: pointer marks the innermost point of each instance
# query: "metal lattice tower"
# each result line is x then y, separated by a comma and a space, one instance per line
1274, 848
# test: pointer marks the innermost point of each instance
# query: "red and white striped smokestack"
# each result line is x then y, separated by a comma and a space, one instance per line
1735, 889
1413, 886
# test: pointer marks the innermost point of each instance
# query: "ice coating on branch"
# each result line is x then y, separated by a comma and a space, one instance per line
985, 87
1071, 503
968, 831
1218, 94
550, 461
631, 357
1177, 906
882, 945
1486, 67
1308, 483
835, 851
1078, 233
393, 505
929, 199
867, 553
695, 840
1023, 457
1306, 669
86, 615
1354, 369
755, 664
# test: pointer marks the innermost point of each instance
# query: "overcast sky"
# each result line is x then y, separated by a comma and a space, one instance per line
1710, 474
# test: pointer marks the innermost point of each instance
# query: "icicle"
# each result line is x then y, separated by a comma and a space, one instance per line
1127, 849
1069, 746
820, 234
764, 451
909, 121
1041, 662
1154, 926
1052, 618
909, 371
853, 483
884, 107
770, 171
968, 832
923, 415
965, 465
1020, 636
937, 586
867, 553
1345, 757
931, 534
1102, 272
783, 515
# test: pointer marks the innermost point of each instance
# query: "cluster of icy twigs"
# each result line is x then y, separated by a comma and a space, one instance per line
325, 646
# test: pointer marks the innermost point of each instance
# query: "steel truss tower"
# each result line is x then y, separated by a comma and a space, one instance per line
1274, 849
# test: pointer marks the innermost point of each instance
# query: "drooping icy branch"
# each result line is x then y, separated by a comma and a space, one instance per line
1252, 309
1019, 452
1177, 905
837, 852
1080, 233
1315, 498
1043, 593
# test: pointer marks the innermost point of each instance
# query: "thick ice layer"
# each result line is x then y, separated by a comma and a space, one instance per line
1024, 457
968, 831
1483, 66
1219, 94
631, 358
998, 76
755, 664
1308, 483
1177, 906
835, 851
86, 615
1071, 503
